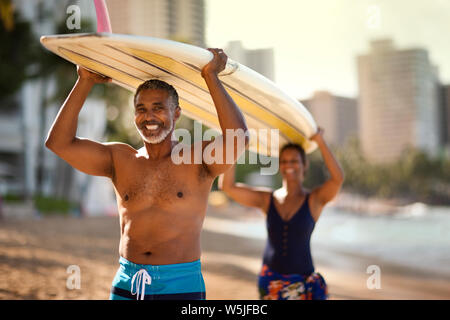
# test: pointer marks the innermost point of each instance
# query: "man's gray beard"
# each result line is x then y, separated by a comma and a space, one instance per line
157, 139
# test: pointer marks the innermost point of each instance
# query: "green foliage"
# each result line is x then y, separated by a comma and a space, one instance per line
12, 198
17, 53
242, 170
316, 173
51, 205
415, 176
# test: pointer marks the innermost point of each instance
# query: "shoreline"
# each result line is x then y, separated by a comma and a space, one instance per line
375, 206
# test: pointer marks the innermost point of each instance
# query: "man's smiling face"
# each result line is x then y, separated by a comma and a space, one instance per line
155, 115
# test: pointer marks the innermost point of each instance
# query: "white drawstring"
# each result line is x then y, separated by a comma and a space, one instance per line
142, 277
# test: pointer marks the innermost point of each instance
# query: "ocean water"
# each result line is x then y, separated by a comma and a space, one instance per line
418, 237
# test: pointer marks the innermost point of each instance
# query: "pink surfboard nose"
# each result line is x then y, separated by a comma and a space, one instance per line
103, 23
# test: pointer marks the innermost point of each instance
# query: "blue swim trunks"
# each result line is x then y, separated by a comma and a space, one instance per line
181, 281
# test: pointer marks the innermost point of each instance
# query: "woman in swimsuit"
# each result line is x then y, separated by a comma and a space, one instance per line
291, 213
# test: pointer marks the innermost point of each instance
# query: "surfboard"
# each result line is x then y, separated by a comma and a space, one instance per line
130, 60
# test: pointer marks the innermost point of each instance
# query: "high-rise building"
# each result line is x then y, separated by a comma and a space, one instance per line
398, 102
180, 20
338, 116
260, 60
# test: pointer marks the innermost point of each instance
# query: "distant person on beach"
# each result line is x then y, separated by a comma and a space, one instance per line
161, 204
291, 213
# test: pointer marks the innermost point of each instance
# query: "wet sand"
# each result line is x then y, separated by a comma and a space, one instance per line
35, 255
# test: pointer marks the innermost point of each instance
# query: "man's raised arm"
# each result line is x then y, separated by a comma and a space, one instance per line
85, 155
230, 117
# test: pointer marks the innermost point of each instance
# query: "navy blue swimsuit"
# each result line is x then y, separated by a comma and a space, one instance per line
288, 249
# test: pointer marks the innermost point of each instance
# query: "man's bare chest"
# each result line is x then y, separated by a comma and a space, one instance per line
159, 182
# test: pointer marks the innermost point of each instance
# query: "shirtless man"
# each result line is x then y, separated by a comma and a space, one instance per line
161, 205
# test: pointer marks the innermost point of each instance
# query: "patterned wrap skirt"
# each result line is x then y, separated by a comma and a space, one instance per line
275, 286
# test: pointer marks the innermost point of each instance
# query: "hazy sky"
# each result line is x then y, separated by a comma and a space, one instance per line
316, 42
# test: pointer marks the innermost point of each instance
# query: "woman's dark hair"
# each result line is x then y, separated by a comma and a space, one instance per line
297, 147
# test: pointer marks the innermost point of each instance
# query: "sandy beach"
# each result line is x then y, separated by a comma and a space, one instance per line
35, 255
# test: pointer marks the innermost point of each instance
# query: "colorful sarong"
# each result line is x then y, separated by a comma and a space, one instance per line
276, 286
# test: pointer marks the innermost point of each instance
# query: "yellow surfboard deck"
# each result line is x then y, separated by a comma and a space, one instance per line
130, 60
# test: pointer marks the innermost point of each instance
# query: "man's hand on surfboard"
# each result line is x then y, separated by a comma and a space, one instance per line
217, 64
91, 76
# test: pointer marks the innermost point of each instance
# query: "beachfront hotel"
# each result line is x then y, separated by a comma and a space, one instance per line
181, 20
399, 102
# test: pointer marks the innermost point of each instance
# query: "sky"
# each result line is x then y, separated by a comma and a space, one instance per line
316, 42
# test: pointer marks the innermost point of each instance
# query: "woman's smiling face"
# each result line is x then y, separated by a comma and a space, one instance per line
291, 165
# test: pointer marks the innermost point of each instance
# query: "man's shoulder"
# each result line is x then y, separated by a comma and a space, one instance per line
120, 147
